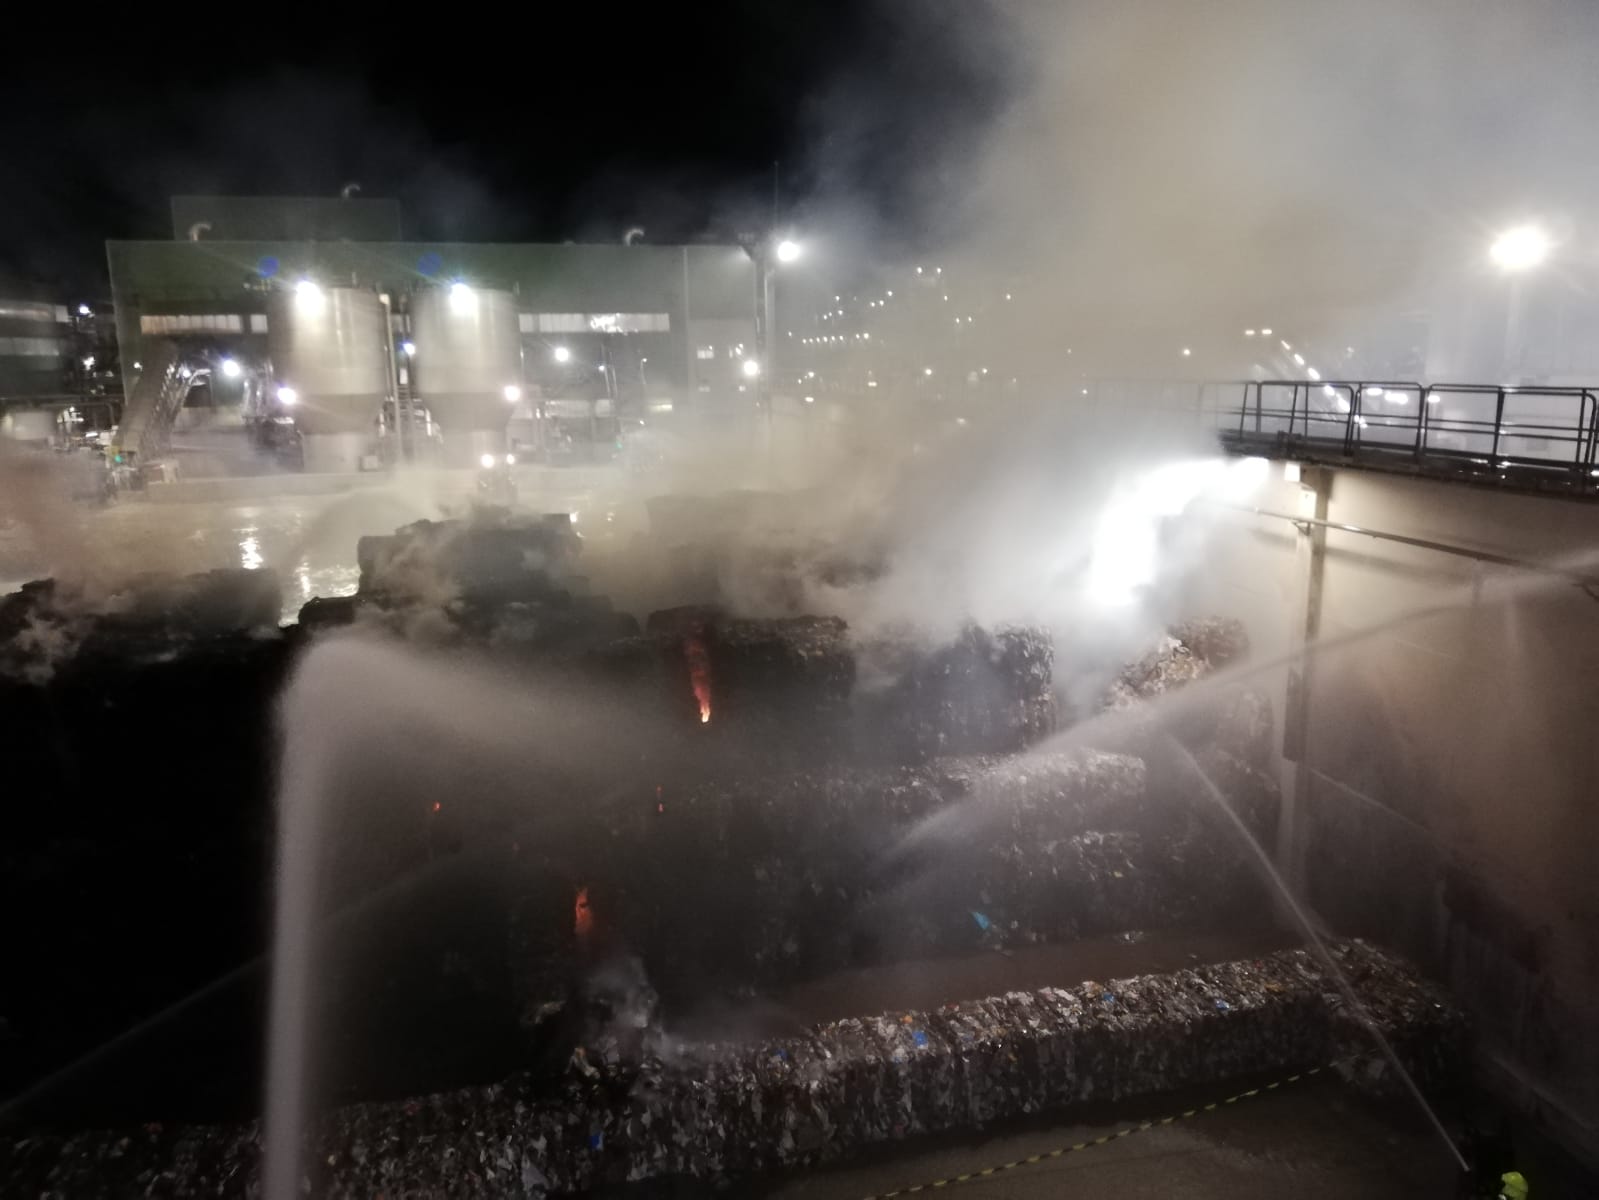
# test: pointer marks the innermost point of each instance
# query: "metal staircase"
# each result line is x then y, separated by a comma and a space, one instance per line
158, 397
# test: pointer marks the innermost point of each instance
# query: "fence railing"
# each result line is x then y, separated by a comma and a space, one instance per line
1542, 434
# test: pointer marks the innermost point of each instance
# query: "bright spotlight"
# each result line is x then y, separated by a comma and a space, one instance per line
561, 354
231, 368
486, 461
510, 460
462, 298
512, 393
1187, 352
788, 251
288, 397
308, 298
85, 311
1520, 248
1244, 476
408, 349
750, 367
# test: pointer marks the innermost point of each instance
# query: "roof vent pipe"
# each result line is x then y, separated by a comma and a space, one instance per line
636, 232
197, 229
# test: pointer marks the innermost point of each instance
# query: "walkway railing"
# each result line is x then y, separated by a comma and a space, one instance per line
1538, 435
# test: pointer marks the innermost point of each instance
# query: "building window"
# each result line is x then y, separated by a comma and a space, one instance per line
27, 347
595, 322
191, 323
258, 322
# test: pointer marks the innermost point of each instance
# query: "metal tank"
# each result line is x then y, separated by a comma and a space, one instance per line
468, 366
330, 351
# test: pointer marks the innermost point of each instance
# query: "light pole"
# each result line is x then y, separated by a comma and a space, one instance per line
1515, 252
767, 253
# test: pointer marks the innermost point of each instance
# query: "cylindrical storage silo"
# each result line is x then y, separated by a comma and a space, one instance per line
468, 354
329, 349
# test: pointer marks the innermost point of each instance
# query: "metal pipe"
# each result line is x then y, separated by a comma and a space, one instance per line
1499, 560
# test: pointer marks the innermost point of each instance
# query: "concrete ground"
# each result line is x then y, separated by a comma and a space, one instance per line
1314, 1139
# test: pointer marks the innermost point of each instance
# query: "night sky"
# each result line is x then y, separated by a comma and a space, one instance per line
560, 122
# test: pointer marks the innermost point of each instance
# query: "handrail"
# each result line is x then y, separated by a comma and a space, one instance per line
1547, 432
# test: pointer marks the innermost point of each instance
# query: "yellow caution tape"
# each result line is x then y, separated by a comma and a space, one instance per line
1062, 1151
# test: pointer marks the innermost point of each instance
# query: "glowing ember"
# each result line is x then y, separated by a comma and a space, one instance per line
437, 806
699, 673
582, 914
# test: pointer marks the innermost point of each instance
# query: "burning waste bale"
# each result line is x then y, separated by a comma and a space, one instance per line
732, 884
983, 692
505, 582
714, 1110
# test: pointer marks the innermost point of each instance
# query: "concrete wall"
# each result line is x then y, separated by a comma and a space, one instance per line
1446, 798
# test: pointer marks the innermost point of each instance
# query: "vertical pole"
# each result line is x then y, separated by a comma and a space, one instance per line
1515, 351
763, 340
1310, 553
691, 367
394, 371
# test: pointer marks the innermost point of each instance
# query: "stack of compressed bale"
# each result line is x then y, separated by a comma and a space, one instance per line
714, 1110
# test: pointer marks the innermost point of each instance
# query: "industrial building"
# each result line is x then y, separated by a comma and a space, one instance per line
370, 348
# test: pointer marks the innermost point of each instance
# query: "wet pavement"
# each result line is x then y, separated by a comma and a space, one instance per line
1314, 1139
303, 527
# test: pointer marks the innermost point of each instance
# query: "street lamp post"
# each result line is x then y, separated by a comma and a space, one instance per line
766, 253
1517, 251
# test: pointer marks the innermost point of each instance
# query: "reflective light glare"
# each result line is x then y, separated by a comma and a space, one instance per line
1313, 373
1299, 359
927, 370
750, 367
1374, 391
88, 362
84, 310
1126, 540
1186, 352
231, 368
812, 399
561, 354
1291, 472
1249, 333
1343, 405
1520, 248
288, 397
308, 299
1267, 333
787, 251
1284, 344
510, 460
250, 556
486, 461
462, 298
408, 349
512, 392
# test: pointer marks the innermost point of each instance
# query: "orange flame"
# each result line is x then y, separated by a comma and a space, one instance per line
699, 674
582, 914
